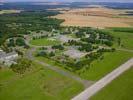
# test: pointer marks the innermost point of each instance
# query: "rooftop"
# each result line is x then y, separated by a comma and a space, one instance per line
3, 54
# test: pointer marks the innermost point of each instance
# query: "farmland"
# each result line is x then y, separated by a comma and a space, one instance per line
95, 17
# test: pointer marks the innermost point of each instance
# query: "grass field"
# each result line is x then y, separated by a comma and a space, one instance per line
126, 37
9, 11
111, 61
44, 42
37, 84
119, 89
99, 68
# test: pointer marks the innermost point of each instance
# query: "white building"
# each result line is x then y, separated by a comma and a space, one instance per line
8, 58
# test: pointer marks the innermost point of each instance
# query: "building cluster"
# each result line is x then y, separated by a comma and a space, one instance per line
8, 58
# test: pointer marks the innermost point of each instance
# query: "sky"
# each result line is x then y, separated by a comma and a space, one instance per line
69, 0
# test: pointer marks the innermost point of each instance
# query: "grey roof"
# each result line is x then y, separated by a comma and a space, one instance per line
10, 54
3, 54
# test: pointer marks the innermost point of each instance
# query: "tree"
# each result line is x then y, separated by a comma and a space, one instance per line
60, 47
80, 34
42, 53
86, 47
19, 52
119, 41
11, 43
108, 43
51, 54
21, 66
20, 42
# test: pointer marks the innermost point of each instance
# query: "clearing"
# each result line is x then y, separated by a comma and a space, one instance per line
44, 42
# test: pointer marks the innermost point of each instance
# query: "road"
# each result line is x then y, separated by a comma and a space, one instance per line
85, 83
87, 93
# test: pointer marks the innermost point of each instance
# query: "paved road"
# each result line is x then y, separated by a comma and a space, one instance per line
85, 95
86, 83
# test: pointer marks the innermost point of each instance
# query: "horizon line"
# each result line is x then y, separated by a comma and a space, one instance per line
67, 1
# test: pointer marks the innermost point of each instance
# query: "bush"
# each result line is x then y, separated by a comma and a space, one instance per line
60, 47
11, 43
20, 42
41, 53
51, 54
86, 47
108, 43
21, 66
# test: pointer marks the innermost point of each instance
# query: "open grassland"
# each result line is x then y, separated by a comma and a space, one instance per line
9, 11
100, 68
44, 42
119, 89
128, 30
37, 84
95, 17
126, 39
126, 36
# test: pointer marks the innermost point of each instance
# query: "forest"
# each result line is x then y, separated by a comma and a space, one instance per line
12, 25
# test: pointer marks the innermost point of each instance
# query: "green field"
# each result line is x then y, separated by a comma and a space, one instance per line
111, 61
37, 84
44, 42
126, 39
99, 68
9, 11
119, 89
126, 35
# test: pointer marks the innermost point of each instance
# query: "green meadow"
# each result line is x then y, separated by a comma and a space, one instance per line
126, 36
44, 42
119, 89
100, 68
38, 83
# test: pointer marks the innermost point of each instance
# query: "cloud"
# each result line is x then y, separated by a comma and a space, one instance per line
69, 0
